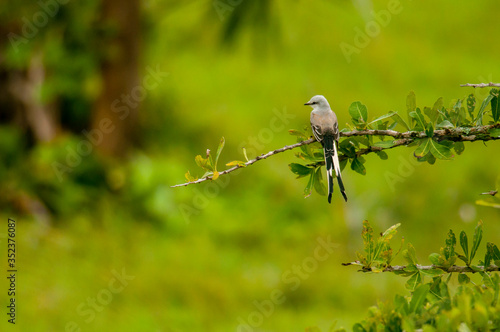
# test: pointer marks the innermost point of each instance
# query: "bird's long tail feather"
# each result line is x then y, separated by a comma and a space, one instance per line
336, 164
329, 150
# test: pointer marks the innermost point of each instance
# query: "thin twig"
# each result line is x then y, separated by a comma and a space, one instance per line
460, 134
481, 85
250, 162
451, 269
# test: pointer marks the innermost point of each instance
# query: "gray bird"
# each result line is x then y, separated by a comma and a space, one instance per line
325, 128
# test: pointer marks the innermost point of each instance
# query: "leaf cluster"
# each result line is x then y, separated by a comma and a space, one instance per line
434, 305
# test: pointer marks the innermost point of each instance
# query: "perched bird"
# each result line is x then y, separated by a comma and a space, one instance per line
325, 128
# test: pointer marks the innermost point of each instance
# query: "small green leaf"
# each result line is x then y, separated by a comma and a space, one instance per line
463, 279
459, 147
471, 104
319, 186
440, 151
429, 130
495, 132
438, 105
204, 163
384, 144
189, 177
410, 255
414, 281
411, 104
423, 148
464, 243
382, 155
432, 272
357, 166
310, 185
398, 119
478, 236
215, 175
495, 105
219, 150
300, 170
487, 280
298, 133
445, 124
479, 118
382, 117
245, 154
419, 118
432, 113
358, 111
435, 259
418, 298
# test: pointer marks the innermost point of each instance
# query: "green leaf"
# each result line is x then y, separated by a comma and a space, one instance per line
459, 147
419, 118
435, 259
300, 170
429, 130
478, 236
432, 272
495, 132
204, 163
432, 113
471, 104
382, 155
418, 298
309, 186
245, 154
464, 243
463, 279
384, 144
440, 151
410, 255
438, 105
319, 186
495, 105
368, 241
411, 104
399, 119
357, 166
189, 177
358, 111
423, 148
445, 124
382, 117
487, 280
219, 150
297, 133
414, 281
479, 118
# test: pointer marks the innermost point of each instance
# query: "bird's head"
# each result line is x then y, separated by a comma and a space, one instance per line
318, 102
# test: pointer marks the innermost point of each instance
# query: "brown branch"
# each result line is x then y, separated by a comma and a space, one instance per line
481, 85
460, 134
451, 269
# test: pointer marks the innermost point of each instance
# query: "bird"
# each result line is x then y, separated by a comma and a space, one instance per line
325, 128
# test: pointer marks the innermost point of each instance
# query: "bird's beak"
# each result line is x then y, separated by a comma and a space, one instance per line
308, 103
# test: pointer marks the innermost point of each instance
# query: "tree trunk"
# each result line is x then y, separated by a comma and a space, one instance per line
113, 116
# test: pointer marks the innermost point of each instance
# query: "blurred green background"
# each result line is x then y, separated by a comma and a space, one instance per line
104, 243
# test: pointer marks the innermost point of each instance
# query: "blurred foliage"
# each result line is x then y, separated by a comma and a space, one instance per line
204, 270
435, 305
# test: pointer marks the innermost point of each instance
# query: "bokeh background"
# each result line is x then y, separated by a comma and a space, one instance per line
92, 199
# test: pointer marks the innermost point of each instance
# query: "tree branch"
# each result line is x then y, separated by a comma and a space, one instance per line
460, 134
481, 85
451, 269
